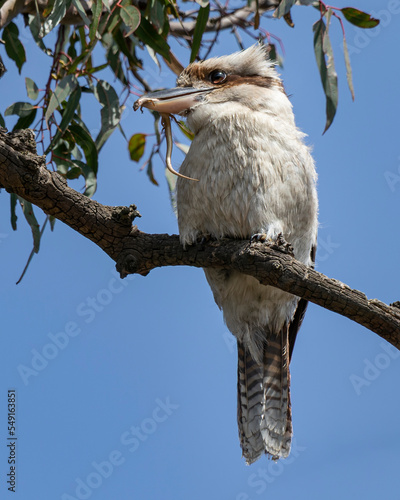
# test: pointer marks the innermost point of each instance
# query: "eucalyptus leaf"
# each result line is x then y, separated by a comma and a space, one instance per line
322, 48
90, 178
85, 141
201, 23
67, 115
185, 130
25, 121
97, 9
110, 112
29, 214
54, 18
283, 8
148, 35
136, 146
19, 108
62, 91
81, 11
31, 89
131, 17
183, 147
349, 73
14, 48
359, 18
150, 173
13, 205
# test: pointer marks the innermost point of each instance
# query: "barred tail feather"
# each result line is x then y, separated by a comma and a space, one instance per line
264, 412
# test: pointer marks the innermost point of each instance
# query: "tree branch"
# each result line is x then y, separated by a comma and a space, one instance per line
238, 17
24, 173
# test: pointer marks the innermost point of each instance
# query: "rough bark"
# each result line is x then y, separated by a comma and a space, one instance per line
24, 173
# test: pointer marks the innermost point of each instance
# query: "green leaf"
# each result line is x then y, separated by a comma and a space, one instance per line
67, 115
52, 221
114, 60
33, 250
158, 15
359, 18
74, 173
110, 112
136, 146
73, 39
81, 11
322, 48
149, 171
185, 130
97, 9
183, 147
283, 8
57, 14
148, 35
62, 91
85, 141
14, 48
90, 178
13, 204
25, 121
202, 18
124, 47
131, 17
171, 181
2, 122
27, 209
349, 74
31, 89
19, 108
106, 5
35, 25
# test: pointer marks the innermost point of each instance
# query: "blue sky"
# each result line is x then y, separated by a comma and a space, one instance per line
139, 400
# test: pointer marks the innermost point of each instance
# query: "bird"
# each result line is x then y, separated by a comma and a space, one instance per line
248, 174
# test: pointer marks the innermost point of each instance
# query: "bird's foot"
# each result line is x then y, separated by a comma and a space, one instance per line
204, 238
279, 243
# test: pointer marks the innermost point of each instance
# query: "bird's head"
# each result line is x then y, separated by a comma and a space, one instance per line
246, 80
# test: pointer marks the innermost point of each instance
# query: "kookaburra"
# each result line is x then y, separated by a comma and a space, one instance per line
255, 180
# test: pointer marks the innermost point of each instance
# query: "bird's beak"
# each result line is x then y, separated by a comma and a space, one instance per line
172, 101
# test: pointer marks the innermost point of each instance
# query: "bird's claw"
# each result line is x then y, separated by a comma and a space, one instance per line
260, 237
202, 239
279, 244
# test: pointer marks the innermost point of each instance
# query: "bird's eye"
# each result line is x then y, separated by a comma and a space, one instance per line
217, 76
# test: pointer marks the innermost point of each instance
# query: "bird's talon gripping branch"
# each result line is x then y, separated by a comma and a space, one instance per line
282, 245
259, 237
202, 239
